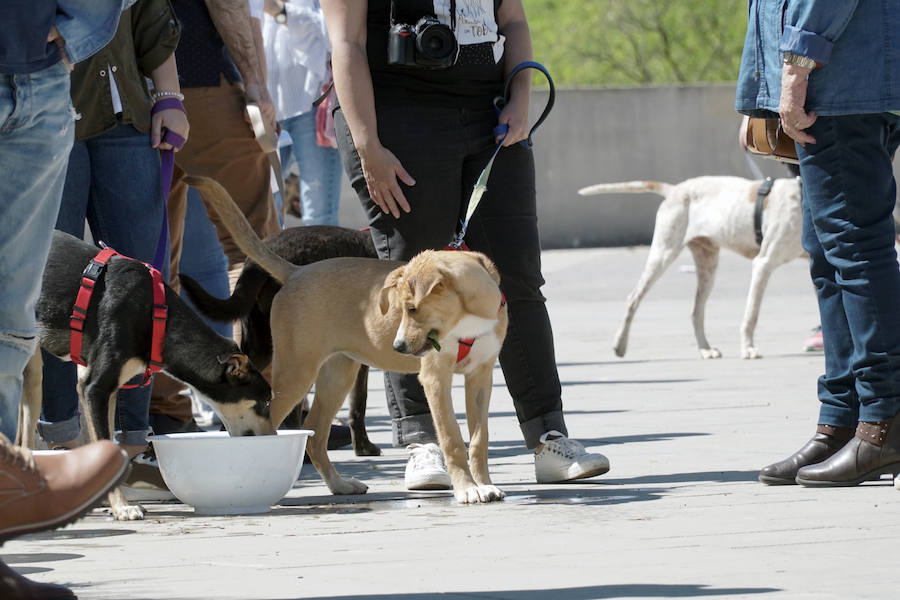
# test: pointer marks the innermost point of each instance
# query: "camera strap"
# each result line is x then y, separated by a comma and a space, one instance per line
500, 132
393, 16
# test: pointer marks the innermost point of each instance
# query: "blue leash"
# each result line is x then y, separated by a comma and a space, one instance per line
501, 131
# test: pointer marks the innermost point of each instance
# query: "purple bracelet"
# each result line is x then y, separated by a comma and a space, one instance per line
166, 104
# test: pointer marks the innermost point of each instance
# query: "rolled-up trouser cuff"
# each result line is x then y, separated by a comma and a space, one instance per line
60, 432
417, 429
533, 429
136, 437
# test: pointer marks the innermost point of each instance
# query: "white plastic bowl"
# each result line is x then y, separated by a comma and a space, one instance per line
222, 475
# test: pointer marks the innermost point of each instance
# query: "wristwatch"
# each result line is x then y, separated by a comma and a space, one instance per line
281, 16
806, 62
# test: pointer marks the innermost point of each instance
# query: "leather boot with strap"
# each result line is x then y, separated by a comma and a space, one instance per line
16, 587
825, 443
873, 451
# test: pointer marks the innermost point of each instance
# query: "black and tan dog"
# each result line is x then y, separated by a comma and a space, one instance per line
251, 303
116, 347
333, 315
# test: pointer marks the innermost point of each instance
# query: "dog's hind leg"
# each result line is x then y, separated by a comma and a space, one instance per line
32, 397
706, 258
667, 243
335, 378
478, 399
362, 445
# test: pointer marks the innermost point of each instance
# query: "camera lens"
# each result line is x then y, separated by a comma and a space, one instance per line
436, 42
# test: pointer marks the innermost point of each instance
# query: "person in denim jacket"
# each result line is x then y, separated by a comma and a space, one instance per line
831, 71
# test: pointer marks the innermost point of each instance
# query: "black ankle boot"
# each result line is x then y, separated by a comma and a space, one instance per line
873, 451
824, 444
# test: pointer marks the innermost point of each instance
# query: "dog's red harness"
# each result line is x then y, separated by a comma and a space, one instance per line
89, 278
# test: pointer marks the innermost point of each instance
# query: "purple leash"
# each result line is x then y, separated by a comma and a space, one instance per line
166, 169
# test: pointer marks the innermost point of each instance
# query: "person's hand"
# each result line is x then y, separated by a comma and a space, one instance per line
381, 170
172, 119
515, 116
260, 95
794, 118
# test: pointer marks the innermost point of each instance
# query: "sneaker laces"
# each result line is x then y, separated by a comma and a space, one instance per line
426, 456
557, 443
16, 456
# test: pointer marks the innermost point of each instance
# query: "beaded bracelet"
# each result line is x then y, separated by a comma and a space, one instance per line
156, 96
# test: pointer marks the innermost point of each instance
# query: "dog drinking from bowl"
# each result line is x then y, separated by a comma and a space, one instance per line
116, 342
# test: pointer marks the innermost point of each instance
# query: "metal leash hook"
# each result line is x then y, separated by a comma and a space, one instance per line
501, 130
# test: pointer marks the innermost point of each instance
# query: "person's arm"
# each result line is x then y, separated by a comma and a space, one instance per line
232, 21
512, 23
346, 24
260, 48
165, 77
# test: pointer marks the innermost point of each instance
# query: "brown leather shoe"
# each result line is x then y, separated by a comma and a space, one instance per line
874, 451
49, 490
825, 443
15, 587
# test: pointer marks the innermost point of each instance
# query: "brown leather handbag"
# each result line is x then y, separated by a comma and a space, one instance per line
766, 138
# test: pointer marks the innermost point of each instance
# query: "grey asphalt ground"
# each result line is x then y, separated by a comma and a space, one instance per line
679, 515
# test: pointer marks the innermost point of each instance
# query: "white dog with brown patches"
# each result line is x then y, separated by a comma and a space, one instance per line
705, 214
334, 314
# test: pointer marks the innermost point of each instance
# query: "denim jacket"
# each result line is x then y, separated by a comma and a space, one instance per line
855, 42
88, 25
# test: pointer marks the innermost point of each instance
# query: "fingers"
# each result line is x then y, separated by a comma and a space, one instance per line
794, 123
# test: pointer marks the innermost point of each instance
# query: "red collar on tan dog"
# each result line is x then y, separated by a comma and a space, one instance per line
465, 344
89, 278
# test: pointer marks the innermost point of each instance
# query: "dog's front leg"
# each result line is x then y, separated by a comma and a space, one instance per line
30, 406
761, 270
478, 399
436, 376
362, 445
99, 410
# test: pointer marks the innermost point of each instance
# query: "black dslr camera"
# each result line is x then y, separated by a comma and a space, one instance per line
429, 44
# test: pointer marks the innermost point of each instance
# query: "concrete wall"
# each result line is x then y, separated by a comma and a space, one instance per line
608, 135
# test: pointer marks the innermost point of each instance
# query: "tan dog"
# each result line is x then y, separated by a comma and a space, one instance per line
705, 214
333, 315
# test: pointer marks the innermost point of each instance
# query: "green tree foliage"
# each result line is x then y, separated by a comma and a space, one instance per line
638, 42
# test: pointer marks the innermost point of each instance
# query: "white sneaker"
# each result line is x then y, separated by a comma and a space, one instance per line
425, 469
560, 459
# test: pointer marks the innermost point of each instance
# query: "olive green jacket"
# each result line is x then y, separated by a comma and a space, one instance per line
147, 35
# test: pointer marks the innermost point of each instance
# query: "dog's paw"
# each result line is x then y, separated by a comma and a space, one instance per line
707, 353
130, 512
366, 449
344, 487
750, 352
478, 494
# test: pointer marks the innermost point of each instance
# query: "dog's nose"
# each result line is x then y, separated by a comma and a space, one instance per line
401, 346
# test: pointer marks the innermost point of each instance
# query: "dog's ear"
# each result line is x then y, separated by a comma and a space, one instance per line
478, 286
237, 366
488, 265
390, 284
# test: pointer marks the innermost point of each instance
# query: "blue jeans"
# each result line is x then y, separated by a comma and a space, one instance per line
36, 133
848, 229
113, 182
202, 257
320, 171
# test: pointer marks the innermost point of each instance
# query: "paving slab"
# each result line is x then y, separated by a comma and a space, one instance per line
679, 515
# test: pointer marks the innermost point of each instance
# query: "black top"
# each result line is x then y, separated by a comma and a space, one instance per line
474, 79
24, 25
201, 54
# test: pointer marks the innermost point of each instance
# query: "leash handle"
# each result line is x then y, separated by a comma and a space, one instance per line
166, 169
501, 101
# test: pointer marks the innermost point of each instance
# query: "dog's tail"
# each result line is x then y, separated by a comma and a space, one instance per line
238, 305
240, 229
627, 187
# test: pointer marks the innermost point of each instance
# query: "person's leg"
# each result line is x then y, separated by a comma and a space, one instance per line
125, 212
60, 420
203, 258
320, 171
36, 121
851, 192
435, 212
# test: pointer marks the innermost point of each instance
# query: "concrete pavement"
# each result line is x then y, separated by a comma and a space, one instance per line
680, 514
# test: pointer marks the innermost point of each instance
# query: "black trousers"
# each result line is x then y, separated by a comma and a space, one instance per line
445, 149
